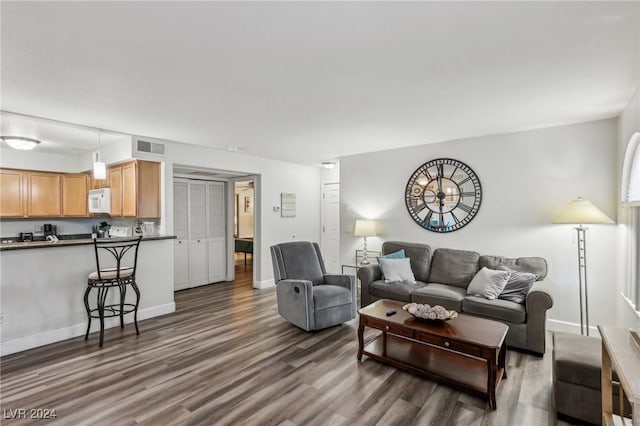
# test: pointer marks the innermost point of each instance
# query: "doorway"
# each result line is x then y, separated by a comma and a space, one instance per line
331, 227
244, 227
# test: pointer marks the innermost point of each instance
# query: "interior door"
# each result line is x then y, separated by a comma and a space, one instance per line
198, 267
181, 229
216, 231
331, 227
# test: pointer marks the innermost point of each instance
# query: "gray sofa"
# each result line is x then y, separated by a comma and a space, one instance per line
442, 278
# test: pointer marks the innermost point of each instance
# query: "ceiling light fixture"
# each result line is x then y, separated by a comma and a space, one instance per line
19, 142
99, 168
328, 164
234, 148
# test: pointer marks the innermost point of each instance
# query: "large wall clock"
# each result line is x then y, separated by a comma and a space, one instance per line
443, 195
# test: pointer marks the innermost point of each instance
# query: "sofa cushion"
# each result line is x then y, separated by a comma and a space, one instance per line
395, 291
397, 270
420, 255
488, 283
328, 296
454, 267
447, 296
518, 285
533, 265
498, 309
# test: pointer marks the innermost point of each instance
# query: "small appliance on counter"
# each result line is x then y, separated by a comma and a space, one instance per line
148, 228
50, 229
26, 237
103, 230
120, 231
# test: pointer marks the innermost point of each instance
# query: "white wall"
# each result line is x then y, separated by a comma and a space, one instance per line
527, 177
272, 178
628, 124
245, 218
44, 161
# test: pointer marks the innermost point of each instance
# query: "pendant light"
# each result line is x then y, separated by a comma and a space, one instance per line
99, 168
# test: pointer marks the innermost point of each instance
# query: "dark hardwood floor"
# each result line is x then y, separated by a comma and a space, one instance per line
226, 357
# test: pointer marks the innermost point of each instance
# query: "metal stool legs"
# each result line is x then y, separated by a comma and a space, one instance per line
119, 309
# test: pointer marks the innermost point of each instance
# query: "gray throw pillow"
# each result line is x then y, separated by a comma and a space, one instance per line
397, 270
518, 285
488, 283
395, 255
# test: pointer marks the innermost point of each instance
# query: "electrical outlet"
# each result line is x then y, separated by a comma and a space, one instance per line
37, 229
3, 319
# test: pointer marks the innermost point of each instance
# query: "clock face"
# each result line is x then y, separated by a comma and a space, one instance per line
443, 195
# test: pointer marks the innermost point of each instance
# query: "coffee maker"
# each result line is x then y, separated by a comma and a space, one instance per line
50, 229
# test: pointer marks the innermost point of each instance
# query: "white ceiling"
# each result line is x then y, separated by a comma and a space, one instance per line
312, 81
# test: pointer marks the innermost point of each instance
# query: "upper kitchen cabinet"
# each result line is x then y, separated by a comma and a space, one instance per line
74, 194
135, 189
12, 193
99, 183
43, 194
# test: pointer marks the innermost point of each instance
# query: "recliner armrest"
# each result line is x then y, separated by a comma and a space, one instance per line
338, 279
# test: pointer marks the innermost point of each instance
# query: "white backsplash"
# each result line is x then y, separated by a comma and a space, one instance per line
13, 227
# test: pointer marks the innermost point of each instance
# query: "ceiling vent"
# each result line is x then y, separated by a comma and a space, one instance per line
149, 147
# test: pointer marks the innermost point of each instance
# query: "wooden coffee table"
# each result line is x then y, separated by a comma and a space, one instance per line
466, 352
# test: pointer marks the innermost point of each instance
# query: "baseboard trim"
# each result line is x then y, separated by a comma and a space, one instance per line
52, 336
264, 284
569, 327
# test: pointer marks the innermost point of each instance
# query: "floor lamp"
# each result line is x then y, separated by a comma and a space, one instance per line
364, 228
582, 212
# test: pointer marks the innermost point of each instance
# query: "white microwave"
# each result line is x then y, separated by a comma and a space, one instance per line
100, 200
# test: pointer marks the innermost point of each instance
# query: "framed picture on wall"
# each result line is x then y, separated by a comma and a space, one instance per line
248, 204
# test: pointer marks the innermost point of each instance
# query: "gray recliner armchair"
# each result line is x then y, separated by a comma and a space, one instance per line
307, 296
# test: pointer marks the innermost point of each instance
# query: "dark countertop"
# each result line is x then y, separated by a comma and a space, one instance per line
70, 242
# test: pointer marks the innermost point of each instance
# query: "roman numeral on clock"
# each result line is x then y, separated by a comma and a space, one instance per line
465, 208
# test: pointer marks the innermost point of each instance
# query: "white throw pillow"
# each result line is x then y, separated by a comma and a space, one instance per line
397, 270
488, 283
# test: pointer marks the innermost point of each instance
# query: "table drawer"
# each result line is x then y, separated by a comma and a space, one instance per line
391, 328
454, 345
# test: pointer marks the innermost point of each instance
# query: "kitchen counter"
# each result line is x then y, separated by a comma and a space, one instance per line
71, 242
42, 290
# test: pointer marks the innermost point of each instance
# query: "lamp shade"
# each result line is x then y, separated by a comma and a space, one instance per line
581, 212
365, 228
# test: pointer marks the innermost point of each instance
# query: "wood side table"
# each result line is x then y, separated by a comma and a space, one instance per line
620, 351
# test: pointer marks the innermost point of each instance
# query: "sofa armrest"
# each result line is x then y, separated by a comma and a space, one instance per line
539, 300
539, 296
367, 275
341, 280
295, 302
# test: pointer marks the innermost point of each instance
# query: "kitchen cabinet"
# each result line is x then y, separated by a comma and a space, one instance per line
99, 183
74, 194
12, 193
135, 189
115, 183
44, 194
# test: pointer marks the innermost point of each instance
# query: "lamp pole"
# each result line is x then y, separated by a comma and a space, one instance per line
582, 278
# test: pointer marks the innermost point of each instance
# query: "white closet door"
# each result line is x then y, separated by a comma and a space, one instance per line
181, 229
180, 210
181, 264
217, 260
198, 268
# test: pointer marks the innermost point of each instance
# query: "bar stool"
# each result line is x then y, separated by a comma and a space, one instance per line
124, 253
